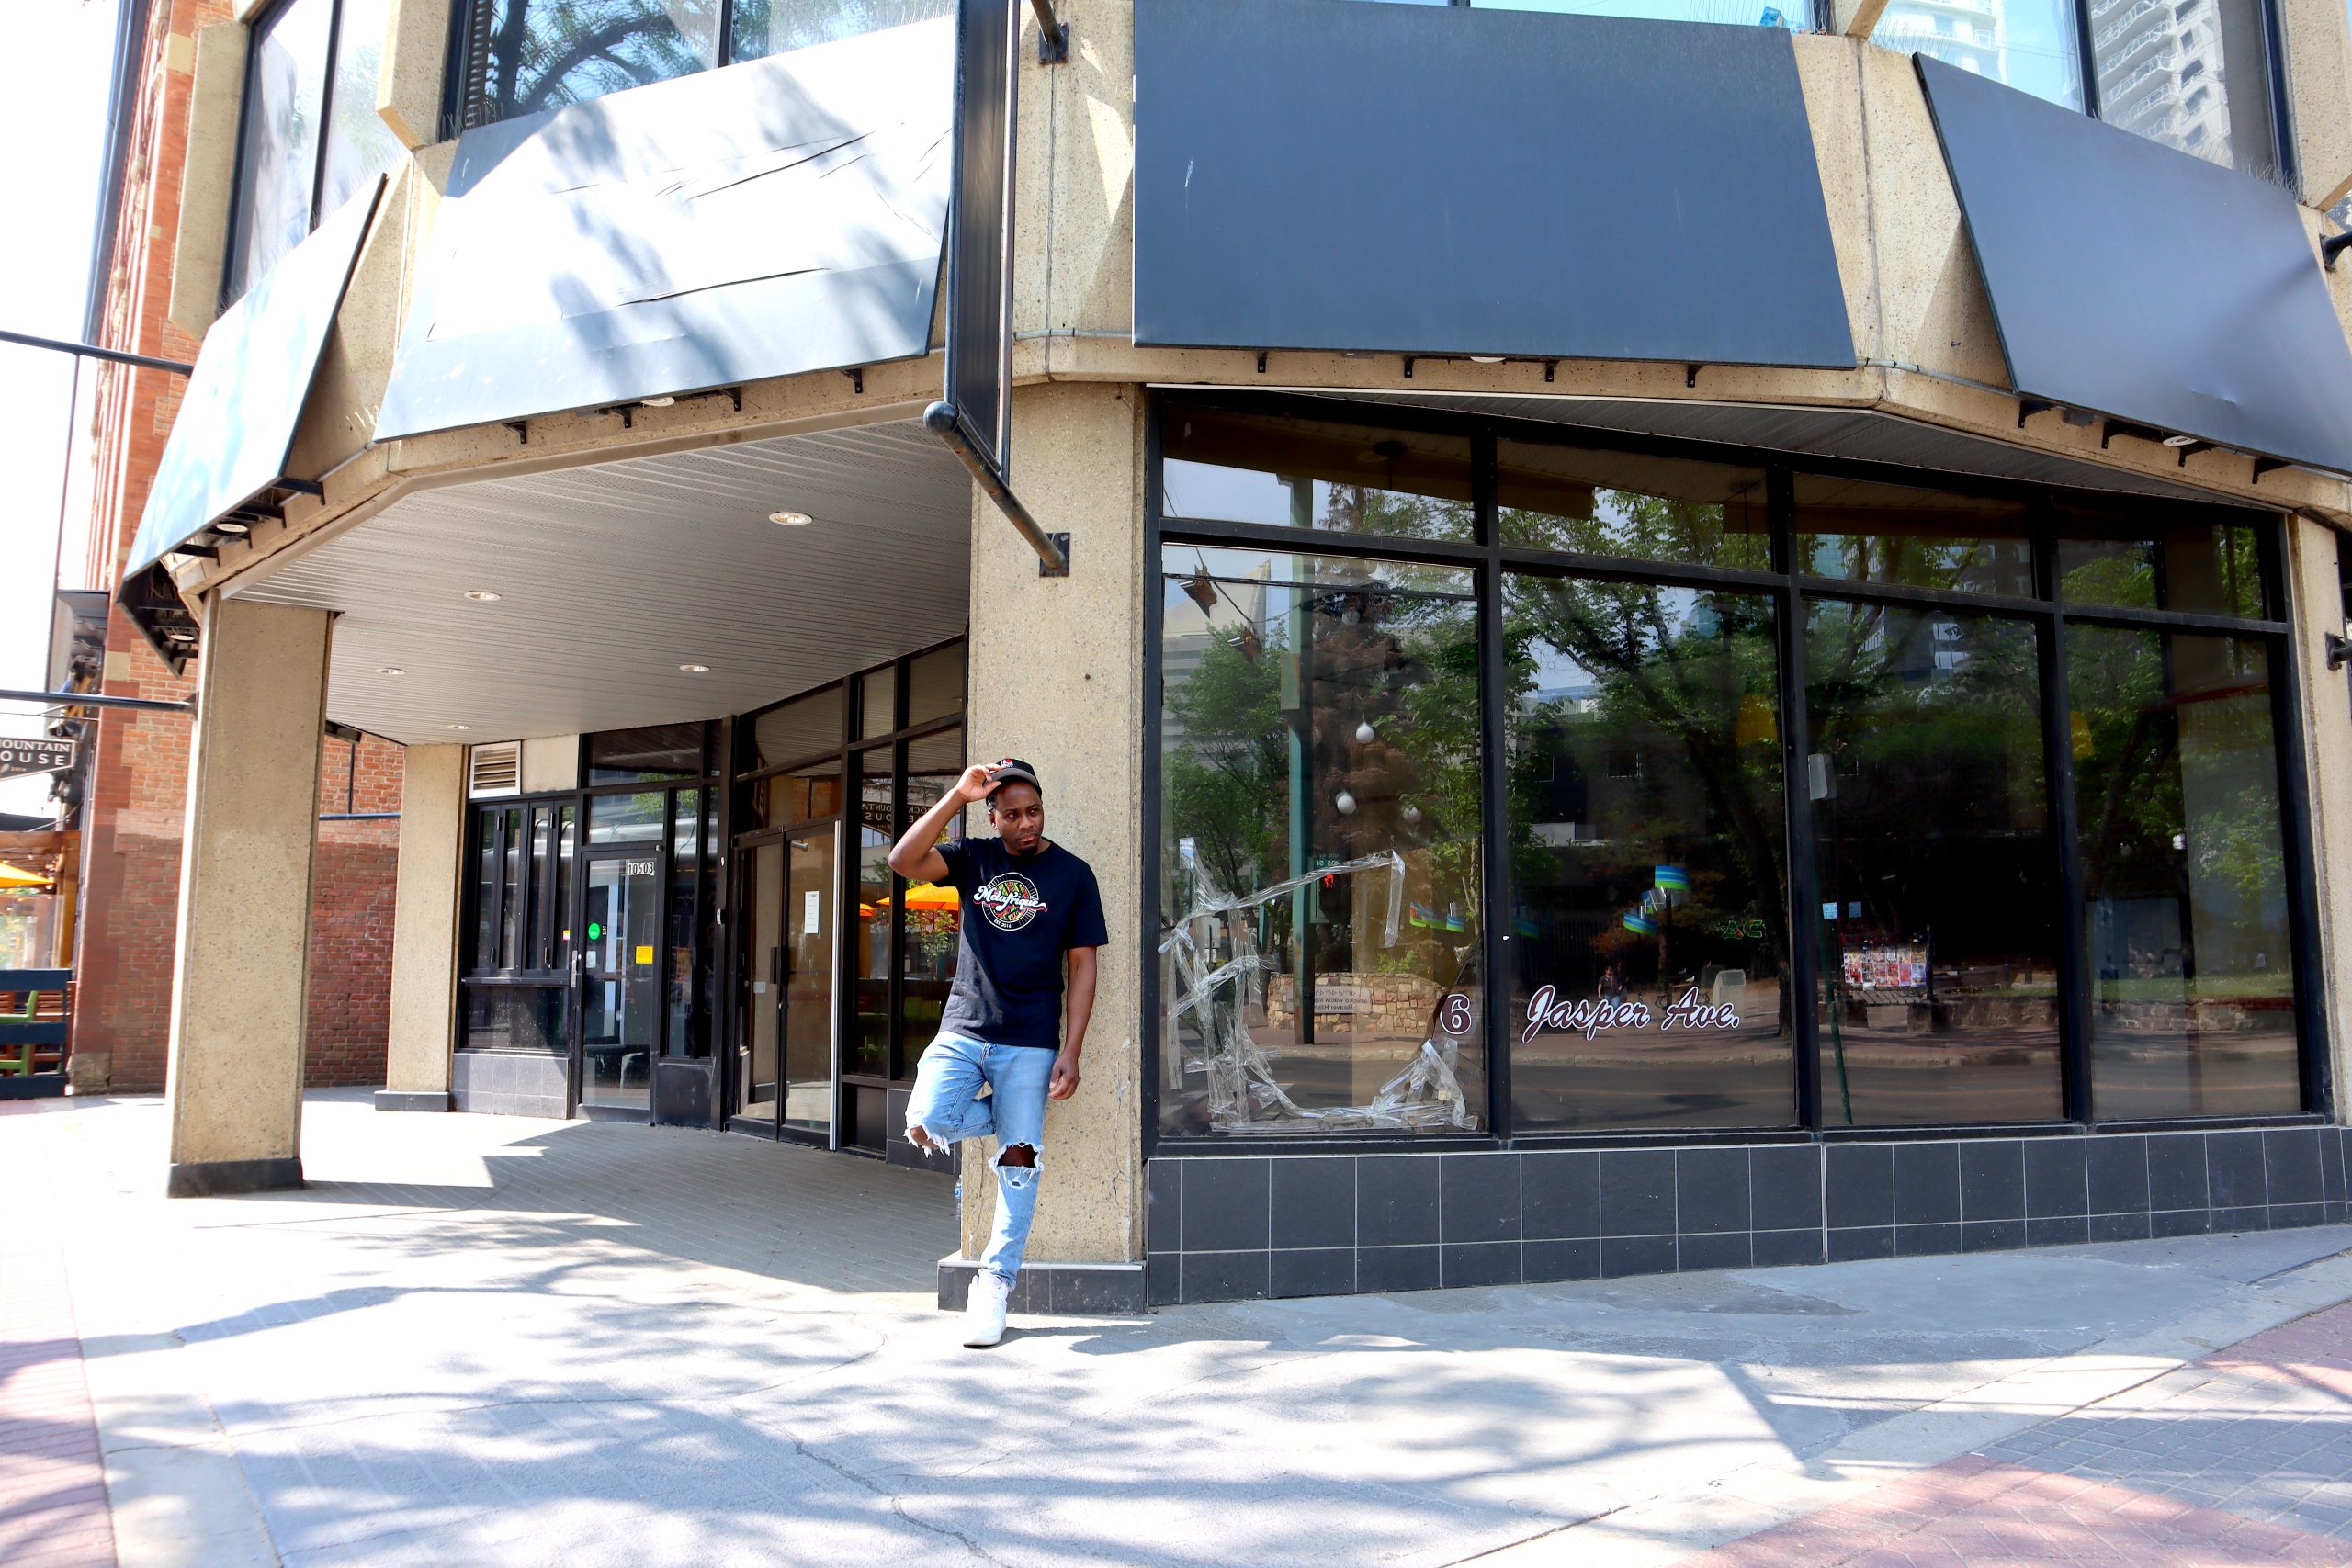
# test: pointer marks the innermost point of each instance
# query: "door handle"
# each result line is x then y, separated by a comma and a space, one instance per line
775, 967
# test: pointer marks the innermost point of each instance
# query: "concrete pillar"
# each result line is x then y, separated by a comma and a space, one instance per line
2317, 602
1057, 679
425, 908
240, 983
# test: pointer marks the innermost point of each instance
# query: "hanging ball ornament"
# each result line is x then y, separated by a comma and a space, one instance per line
1364, 732
1346, 802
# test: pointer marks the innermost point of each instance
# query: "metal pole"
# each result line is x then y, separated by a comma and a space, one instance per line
92, 351
942, 420
97, 700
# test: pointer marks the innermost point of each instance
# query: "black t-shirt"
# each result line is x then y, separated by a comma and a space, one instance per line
1019, 917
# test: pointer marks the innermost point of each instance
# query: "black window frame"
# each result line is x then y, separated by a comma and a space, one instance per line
1793, 592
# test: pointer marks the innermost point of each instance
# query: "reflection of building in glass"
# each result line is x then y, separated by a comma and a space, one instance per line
2160, 71
1971, 34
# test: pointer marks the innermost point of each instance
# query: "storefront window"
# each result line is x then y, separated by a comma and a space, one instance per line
1339, 478
932, 921
1321, 845
2185, 909
936, 684
688, 1033
2213, 569
1868, 531
627, 819
650, 755
1649, 938
877, 829
795, 730
1938, 879
1715, 684
515, 1017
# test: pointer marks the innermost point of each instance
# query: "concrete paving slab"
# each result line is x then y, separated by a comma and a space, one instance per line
496, 1340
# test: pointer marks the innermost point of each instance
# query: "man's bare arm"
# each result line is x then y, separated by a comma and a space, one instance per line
1081, 1007
916, 855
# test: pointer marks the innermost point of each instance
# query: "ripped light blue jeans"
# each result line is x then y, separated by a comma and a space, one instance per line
948, 1104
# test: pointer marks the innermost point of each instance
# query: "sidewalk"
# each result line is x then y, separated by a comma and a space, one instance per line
489, 1340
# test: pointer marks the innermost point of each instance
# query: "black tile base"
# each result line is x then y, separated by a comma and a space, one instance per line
1073, 1290
1223, 1228
222, 1177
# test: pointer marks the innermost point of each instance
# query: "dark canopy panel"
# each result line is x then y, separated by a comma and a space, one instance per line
228, 444
778, 215
2135, 281
1329, 175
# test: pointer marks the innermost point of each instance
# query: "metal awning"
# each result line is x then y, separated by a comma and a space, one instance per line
2131, 280
224, 465
775, 217
1442, 181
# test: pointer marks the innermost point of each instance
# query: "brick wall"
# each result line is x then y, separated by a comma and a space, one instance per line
136, 805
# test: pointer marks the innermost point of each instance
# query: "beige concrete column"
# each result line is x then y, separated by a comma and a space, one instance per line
2317, 602
426, 906
1057, 679
240, 985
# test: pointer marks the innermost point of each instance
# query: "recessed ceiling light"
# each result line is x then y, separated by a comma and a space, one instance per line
696, 669
791, 519
389, 670
2180, 440
461, 726
483, 596
657, 403
234, 530
1486, 359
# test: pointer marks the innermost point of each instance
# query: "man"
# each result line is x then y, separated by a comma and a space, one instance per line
1031, 911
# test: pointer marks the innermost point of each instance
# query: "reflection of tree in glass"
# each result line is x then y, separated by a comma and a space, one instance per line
1368, 509
1690, 677
547, 53
1646, 527
1919, 711
2132, 695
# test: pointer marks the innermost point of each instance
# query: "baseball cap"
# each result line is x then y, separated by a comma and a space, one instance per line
1013, 770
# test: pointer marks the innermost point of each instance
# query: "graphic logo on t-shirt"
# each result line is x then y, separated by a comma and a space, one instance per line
1010, 901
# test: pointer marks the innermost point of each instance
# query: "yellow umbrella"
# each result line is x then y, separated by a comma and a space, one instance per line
16, 876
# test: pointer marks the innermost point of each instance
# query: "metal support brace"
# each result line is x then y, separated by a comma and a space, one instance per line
1053, 34
2333, 246
1053, 549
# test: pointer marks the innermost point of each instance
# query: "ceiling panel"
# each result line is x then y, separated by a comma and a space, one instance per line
612, 575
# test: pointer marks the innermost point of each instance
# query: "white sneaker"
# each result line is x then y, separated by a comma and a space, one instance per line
984, 1310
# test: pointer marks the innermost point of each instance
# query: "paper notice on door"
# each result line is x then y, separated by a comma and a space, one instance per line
644, 954
811, 913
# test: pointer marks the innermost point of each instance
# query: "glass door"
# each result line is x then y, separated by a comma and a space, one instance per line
811, 893
760, 1017
620, 978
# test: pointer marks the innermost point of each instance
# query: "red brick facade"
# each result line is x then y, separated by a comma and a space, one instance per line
136, 803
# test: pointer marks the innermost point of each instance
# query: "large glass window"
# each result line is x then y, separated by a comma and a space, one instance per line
2185, 886
311, 136
1825, 797
1321, 845
1339, 478
2190, 74
529, 55
1939, 882
1649, 936
1794, 15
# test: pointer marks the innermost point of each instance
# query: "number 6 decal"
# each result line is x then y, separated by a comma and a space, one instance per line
1455, 1016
